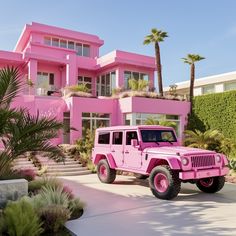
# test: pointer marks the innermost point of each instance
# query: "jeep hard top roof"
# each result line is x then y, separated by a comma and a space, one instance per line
128, 127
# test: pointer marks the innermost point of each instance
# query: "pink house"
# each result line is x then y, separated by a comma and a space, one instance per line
53, 58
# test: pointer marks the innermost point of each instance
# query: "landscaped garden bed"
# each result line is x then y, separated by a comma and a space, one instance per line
44, 211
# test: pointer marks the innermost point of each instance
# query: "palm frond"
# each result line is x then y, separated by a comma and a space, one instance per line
9, 85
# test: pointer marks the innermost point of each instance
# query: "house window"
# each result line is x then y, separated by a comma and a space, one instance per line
63, 43
208, 89
78, 49
55, 42
81, 49
92, 121
141, 119
45, 83
230, 86
86, 50
106, 83
134, 75
71, 45
47, 40
85, 80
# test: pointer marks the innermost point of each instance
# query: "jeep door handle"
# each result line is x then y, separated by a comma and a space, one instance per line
126, 152
113, 151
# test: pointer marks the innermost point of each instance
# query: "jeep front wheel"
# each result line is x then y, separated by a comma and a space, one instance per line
211, 185
164, 182
105, 173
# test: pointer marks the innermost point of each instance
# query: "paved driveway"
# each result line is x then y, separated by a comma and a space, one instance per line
127, 207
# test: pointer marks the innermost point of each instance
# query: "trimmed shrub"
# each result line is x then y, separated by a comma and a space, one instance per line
215, 111
20, 219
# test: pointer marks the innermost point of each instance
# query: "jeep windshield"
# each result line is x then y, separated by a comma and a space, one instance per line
157, 136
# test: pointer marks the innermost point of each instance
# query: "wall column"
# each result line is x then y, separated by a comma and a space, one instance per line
71, 70
120, 78
33, 70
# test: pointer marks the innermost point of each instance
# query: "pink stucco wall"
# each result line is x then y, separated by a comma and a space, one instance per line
31, 56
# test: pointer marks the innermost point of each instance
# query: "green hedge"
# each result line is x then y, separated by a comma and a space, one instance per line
215, 111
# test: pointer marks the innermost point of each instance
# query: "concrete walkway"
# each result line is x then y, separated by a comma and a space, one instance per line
127, 207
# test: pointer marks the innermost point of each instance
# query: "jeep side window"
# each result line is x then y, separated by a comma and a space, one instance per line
104, 138
131, 135
117, 138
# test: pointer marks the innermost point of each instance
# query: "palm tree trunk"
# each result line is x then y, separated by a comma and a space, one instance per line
192, 78
158, 64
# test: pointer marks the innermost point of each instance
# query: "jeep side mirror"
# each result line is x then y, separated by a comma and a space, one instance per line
134, 142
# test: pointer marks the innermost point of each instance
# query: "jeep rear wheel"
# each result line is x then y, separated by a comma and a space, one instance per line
211, 185
105, 173
164, 182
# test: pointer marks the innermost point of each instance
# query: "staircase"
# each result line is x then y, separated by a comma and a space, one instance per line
22, 163
70, 167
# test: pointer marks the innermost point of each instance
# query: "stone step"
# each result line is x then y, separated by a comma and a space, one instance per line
22, 162
60, 163
72, 173
66, 169
64, 166
25, 168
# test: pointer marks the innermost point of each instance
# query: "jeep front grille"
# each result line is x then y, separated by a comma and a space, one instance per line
203, 161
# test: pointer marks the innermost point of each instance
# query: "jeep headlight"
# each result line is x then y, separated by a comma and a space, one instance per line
184, 161
218, 158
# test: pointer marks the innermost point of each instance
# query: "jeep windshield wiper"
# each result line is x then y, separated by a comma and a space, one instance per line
165, 140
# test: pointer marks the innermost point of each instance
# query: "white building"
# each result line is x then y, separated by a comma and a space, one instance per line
210, 84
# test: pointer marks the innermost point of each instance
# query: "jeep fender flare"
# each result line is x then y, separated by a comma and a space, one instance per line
108, 157
172, 162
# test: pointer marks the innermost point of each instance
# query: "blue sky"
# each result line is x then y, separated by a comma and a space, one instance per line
205, 27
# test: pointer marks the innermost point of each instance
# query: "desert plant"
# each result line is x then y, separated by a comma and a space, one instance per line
76, 207
78, 88
156, 37
20, 219
54, 217
36, 185
232, 164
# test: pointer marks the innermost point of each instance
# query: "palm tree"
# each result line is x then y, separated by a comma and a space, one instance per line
153, 121
209, 139
156, 37
19, 131
191, 59
138, 85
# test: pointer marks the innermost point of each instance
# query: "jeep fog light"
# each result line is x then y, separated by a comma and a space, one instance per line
184, 161
218, 158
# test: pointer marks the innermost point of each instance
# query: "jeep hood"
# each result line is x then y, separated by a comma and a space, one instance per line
177, 150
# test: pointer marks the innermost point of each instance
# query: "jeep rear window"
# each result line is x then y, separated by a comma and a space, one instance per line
158, 136
104, 138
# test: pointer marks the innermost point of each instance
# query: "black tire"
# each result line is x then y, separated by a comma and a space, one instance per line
110, 175
174, 183
140, 176
215, 184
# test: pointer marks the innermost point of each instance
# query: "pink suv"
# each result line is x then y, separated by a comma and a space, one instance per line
154, 152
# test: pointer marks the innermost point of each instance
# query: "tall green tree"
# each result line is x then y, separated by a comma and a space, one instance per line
191, 59
156, 37
21, 132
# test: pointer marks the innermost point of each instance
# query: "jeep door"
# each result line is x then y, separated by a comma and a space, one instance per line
117, 148
132, 155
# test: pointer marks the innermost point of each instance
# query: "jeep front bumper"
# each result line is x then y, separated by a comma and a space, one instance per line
206, 173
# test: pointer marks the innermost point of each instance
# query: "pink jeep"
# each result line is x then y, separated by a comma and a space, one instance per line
154, 152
